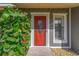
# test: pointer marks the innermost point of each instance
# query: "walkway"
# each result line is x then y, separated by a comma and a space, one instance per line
39, 51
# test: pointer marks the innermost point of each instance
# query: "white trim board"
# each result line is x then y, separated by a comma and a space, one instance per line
47, 26
70, 27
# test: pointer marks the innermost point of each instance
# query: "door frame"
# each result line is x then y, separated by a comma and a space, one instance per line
47, 26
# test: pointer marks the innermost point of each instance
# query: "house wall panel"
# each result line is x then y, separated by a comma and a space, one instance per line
75, 28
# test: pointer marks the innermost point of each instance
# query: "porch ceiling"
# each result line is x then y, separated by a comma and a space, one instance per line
46, 5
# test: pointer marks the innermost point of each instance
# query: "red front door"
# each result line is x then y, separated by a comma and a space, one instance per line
39, 30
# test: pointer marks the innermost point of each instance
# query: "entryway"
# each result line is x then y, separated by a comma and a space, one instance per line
42, 35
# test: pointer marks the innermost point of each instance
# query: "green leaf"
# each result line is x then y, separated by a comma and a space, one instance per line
20, 49
17, 53
11, 39
5, 16
27, 46
4, 36
6, 46
11, 53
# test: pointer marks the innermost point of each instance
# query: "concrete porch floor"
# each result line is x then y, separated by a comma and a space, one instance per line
44, 51
39, 51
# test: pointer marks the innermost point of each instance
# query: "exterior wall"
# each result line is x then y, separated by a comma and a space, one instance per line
51, 11
75, 28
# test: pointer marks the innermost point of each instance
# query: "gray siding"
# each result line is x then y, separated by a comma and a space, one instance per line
75, 28
51, 11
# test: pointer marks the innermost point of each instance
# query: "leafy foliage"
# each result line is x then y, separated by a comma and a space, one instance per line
15, 28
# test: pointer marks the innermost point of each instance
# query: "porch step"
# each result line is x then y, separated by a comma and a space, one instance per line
39, 51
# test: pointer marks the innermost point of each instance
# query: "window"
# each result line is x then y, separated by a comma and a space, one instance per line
59, 28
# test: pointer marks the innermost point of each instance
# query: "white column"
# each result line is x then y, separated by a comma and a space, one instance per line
70, 27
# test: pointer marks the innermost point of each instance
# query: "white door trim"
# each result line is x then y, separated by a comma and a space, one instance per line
47, 27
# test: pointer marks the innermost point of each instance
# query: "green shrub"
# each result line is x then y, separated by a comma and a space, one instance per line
15, 28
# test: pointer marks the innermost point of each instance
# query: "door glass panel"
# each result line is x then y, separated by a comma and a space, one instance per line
59, 27
40, 26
